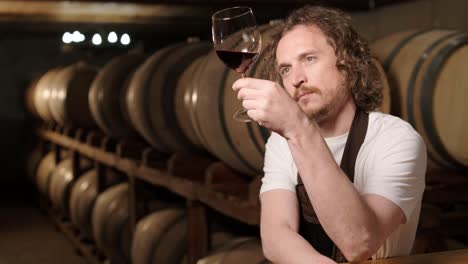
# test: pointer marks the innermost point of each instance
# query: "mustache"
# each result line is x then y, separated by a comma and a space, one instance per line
302, 90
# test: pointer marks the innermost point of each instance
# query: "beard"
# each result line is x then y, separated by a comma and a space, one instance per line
327, 105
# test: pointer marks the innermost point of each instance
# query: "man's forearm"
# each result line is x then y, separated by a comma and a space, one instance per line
282, 245
343, 213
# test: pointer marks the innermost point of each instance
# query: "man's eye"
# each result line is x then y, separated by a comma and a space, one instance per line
310, 58
284, 71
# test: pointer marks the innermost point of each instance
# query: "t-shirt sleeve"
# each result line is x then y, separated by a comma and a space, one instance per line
277, 165
399, 171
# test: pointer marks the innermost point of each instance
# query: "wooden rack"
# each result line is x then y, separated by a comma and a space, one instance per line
202, 181
205, 182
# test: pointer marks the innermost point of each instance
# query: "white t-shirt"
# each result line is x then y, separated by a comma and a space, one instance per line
390, 163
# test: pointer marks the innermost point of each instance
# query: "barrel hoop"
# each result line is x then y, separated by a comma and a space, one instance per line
67, 193
88, 215
168, 92
427, 98
96, 95
120, 197
388, 62
181, 246
124, 66
414, 75
250, 130
122, 225
156, 243
85, 198
196, 124
147, 100
223, 122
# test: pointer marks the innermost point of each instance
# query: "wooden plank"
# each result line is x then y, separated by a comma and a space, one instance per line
188, 166
231, 206
181, 187
197, 229
136, 202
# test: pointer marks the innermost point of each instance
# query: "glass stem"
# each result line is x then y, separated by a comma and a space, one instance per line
243, 75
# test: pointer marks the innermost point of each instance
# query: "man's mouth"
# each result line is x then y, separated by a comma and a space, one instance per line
298, 97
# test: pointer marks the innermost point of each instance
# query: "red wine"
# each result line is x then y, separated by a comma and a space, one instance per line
237, 60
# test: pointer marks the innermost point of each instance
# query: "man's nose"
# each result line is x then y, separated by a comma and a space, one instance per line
298, 77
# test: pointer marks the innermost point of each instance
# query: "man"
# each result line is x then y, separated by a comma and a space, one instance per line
341, 183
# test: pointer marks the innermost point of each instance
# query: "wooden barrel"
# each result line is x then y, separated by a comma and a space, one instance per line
68, 102
44, 171
56, 98
60, 184
426, 68
62, 180
160, 237
239, 145
185, 103
110, 224
42, 94
107, 91
83, 197
246, 250
150, 97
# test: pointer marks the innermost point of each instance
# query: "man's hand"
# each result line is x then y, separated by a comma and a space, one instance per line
269, 104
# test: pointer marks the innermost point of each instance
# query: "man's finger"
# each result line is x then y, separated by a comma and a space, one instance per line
251, 83
249, 94
249, 104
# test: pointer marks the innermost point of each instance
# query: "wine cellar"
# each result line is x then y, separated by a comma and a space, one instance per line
119, 145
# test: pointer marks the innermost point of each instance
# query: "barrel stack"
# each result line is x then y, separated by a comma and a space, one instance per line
158, 99
425, 69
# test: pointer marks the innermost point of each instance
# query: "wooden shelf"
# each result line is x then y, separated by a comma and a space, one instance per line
197, 179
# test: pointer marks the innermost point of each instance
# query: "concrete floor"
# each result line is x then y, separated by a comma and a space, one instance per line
27, 236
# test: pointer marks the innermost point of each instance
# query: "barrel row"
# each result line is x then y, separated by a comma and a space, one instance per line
426, 70
177, 99
160, 236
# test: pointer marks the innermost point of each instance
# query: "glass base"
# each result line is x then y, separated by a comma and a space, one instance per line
241, 116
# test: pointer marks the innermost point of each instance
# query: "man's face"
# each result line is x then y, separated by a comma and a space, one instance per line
307, 65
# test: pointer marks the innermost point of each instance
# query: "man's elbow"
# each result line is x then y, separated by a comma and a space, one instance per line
360, 249
267, 252
269, 246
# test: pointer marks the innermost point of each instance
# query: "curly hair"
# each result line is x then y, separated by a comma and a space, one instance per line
353, 55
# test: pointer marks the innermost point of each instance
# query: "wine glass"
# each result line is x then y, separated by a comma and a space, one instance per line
237, 42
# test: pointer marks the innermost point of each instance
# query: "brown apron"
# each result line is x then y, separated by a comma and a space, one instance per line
309, 226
